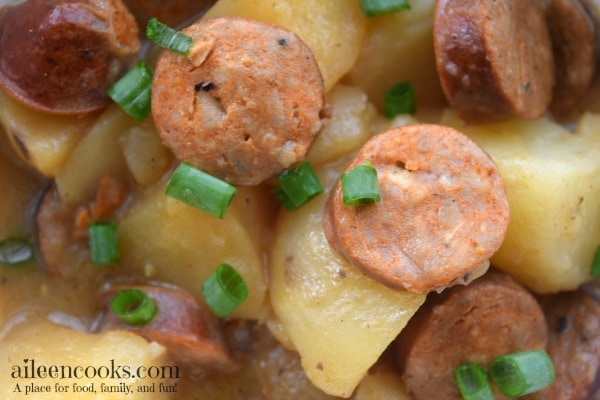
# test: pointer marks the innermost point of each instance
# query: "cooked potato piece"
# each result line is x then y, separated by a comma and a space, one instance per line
44, 142
399, 47
381, 384
97, 154
104, 356
168, 240
552, 180
338, 319
348, 127
145, 154
333, 30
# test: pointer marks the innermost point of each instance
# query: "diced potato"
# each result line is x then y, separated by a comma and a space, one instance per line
338, 319
398, 47
348, 127
104, 358
97, 154
333, 30
381, 384
147, 158
552, 180
43, 141
168, 240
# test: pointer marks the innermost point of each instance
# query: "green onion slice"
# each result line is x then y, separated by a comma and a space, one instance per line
133, 306
16, 251
595, 270
224, 291
200, 190
133, 91
521, 373
473, 382
297, 185
372, 8
104, 248
168, 37
360, 185
399, 99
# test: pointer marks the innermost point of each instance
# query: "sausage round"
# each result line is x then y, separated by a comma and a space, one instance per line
574, 47
191, 334
573, 320
244, 105
490, 317
494, 58
60, 56
443, 209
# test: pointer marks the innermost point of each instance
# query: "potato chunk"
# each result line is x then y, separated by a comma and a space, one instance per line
92, 361
552, 180
337, 318
333, 30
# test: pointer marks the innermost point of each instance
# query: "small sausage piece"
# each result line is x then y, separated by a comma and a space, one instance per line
191, 334
494, 58
574, 46
244, 105
574, 345
443, 209
490, 317
60, 56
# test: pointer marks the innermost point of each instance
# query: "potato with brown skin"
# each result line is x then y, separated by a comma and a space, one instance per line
443, 210
60, 56
490, 317
494, 58
244, 105
172, 12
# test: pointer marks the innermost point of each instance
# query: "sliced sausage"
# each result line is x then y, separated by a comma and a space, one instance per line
61, 229
60, 56
490, 317
244, 105
188, 330
573, 320
494, 58
443, 209
172, 12
574, 46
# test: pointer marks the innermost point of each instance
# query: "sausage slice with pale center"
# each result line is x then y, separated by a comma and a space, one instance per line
494, 58
244, 104
443, 210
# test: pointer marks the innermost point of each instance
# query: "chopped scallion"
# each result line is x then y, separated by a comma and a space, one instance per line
15, 251
201, 190
399, 99
473, 382
104, 248
360, 185
297, 185
133, 306
133, 91
521, 373
595, 269
168, 37
224, 291
372, 8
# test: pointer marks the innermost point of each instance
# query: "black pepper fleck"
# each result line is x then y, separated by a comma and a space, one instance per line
562, 324
204, 86
282, 42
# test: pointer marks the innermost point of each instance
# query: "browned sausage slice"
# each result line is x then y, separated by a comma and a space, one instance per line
443, 209
574, 45
244, 105
191, 334
494, 58
60, 56
490, 317
574, 345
